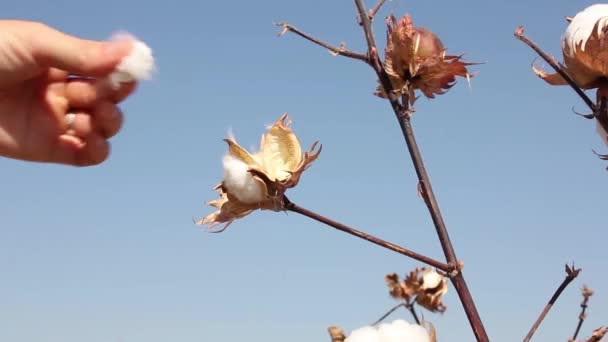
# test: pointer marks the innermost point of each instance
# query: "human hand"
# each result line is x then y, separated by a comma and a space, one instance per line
38, 88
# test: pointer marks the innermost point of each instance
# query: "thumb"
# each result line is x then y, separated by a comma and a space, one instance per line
52, 48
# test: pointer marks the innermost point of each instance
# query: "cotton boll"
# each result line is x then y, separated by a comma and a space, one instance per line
396, 331
137, 65
365, 334
582, 25
402, 331
239, 182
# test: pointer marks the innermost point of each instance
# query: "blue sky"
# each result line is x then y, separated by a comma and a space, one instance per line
110, 254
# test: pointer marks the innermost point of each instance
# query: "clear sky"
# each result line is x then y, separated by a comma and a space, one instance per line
111, 254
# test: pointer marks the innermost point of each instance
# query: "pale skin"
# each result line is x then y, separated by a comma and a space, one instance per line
38, 87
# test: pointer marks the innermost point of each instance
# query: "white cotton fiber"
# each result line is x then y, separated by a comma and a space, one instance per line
239, 182
581, 27
397, 331
365, 334
137, 65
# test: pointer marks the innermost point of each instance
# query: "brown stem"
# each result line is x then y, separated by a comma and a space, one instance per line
519, 34
412, 309
374, 11
342, 51
571, 274
402, 113
581, 317
288, 205
388, 313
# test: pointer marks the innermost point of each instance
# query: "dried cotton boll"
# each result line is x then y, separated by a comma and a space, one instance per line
239, 182
137, 65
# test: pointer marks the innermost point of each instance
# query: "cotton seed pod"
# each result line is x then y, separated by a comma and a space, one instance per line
415, 58
259, 180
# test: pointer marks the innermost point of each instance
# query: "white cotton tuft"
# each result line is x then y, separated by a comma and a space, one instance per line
397, 331
602, 132
239, 182
582, 25
137, 65
365, 334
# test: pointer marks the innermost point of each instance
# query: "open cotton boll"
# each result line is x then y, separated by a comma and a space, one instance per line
581, 27
239, 182
396, 331
137, 65
365, 334
402, 331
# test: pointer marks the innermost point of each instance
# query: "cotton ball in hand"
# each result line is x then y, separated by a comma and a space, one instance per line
137, 65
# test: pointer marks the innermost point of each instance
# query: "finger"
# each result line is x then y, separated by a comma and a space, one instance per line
108, 119
72, 150
84, 92
82, 126
56, 49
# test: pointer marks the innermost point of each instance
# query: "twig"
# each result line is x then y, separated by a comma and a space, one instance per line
571, 274
519, 34
410, 306
581, 317
342, 51
393, 309
374, 11
288, 205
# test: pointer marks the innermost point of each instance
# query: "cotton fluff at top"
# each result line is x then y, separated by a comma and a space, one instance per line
582, 25
137, 65
397, 331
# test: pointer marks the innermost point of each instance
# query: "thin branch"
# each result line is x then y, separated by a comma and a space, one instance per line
374, 11
519, 34
342, 50
571, 274
412, 309
393, 309
288, 205
581, 317
409, 306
